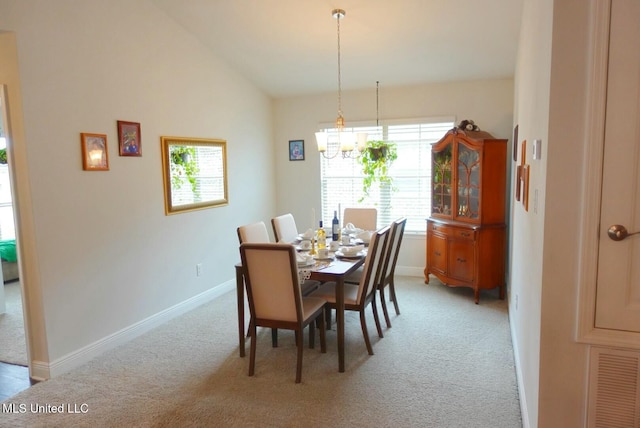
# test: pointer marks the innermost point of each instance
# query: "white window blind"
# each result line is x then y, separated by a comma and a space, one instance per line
409, 194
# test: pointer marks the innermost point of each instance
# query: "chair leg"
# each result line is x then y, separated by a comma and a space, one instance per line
327, 314
274, 337
312, 335
323, 336
392, 294
299, 362
376, 318
249, 328
365, 333
252, 352
384, 307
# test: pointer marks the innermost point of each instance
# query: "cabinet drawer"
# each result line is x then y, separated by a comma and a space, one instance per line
458, 233
440, 228
438, 253
462, 260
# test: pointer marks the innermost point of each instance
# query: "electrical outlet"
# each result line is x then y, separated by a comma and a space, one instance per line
199, 269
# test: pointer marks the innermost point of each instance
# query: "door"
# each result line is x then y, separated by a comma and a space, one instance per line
618, 277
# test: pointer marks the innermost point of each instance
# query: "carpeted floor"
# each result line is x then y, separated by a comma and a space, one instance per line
446, 362
13, 347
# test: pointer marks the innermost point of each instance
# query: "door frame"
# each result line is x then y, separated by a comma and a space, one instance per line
586, 330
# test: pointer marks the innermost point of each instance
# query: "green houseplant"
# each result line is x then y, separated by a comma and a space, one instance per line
376, 159
183, 166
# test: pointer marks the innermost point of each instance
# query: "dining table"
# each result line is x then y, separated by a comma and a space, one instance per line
335, 270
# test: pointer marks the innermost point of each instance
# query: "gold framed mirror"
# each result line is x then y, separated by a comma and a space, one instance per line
194, 172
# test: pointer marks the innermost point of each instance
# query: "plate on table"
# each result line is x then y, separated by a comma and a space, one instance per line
355, 256
309, 262
358, 241
324, 259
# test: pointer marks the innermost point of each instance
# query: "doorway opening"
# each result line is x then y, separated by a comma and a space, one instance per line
13, 347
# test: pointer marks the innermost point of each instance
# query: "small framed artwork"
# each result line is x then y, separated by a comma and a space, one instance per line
515, 144
518, 182
296, 150
95, 156
525, 187
129, 138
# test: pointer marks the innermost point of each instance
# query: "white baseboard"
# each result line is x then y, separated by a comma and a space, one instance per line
523, 398
43, 371
410, 271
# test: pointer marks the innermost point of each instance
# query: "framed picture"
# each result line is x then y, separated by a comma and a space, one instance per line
518, 182
95, 156
515, 144
525, 187
296, 150
129, 138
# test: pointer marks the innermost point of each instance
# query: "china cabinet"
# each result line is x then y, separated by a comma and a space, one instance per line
466, 232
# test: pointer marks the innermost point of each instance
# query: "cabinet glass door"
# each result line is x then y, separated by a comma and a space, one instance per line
468, 183
441, 191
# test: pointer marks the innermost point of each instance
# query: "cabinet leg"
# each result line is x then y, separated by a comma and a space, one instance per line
426, 276
476, 295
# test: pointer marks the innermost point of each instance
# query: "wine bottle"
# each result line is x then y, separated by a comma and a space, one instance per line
335, 227
321, 237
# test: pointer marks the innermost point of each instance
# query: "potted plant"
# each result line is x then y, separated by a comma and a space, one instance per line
3, 156
183, 166
376, 158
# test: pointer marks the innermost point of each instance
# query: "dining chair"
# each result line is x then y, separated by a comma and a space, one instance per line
257, 233
358, 297
363, 218
275, 300
387, 278
284, 228
387, 274
254, 233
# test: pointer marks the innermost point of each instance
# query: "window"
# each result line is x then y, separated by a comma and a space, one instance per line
409, 195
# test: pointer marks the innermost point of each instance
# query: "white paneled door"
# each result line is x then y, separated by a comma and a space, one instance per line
618, 278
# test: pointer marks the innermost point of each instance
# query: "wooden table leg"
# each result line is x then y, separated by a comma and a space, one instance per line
240, 298
340, 321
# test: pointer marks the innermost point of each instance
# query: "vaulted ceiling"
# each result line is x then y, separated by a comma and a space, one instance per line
290, 47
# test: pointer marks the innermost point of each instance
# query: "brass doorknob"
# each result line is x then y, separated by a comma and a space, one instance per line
618, 232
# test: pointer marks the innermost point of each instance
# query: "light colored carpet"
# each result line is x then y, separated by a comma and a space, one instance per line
13, 347
446, 362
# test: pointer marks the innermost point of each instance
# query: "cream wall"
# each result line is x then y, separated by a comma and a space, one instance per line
99, 255
551, 88
531, 115
489, 103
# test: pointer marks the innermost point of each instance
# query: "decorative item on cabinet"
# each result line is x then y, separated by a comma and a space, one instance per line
466, 232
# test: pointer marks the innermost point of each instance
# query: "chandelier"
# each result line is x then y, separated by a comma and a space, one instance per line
350, 145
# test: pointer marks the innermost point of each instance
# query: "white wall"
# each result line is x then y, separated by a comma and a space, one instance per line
531, 116
98, 251
489, 103
550, 105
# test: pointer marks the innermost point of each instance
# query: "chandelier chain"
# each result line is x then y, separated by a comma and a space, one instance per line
377, 103
341, 121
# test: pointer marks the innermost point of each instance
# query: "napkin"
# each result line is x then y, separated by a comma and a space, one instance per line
304, 259
365, 235
350, 229
352, 250
308, 234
